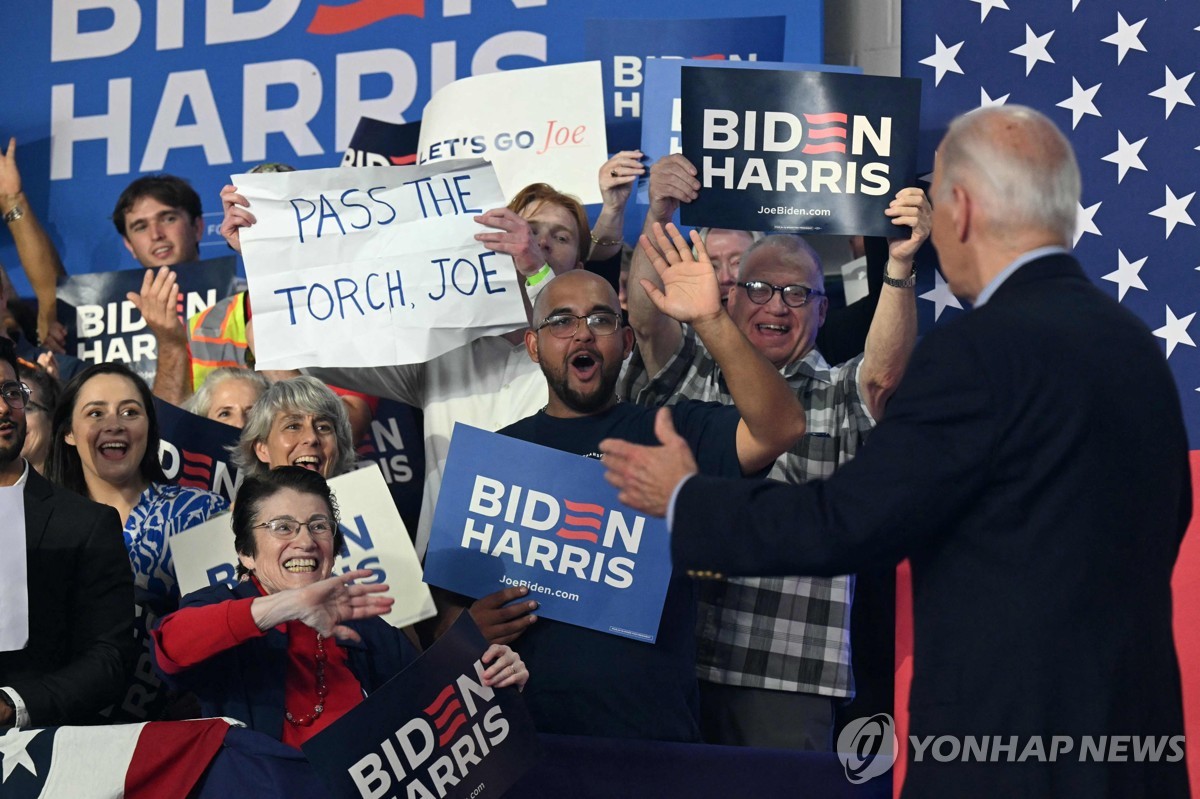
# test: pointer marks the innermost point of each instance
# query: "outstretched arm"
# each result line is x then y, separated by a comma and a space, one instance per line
39, 258
893, 332
672, 181
325, 605
772, 417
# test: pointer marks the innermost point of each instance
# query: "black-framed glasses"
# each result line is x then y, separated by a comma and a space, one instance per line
287, 529
564, 325
794, 296
14, 394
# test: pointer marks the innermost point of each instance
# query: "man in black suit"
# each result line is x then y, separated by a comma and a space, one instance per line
1033, 466
80, 590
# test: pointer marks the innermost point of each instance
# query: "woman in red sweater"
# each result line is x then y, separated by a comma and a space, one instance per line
290, 649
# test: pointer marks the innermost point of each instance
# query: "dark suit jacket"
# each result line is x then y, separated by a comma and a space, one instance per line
1033, 465
80, 608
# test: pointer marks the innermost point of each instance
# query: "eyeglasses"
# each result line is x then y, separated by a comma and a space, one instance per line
287, 529
14, 394
564, 325
794, 296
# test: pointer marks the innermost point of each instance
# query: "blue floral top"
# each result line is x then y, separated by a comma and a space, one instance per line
161, 511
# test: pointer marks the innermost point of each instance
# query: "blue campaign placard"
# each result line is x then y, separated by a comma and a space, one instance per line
194, 451
433, 730
102, 325
661, 102
625, 48
798, 152
553, 525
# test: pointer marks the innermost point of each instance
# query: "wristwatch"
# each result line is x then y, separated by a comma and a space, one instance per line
13, 214
906, 283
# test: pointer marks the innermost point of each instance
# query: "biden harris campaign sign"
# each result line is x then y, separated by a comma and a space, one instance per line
552, 524
103, 325
434, 731
798, 152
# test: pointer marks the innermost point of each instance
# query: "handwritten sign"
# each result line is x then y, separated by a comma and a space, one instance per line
374, 266
433, 730
375, 538
14, 588
798, 152
556, 527
102, 325
538, 125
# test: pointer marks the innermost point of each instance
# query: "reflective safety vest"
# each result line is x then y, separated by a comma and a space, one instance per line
217, 337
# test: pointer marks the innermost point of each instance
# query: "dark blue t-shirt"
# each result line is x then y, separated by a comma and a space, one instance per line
584, 682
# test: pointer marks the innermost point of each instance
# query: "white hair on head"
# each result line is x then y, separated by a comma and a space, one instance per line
200, 403
793, 251
1024, 164
306, 395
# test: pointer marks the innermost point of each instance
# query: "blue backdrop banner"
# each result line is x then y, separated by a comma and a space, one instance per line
586, 558
110, 89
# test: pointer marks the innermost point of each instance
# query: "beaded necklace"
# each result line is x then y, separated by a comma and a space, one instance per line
322, 691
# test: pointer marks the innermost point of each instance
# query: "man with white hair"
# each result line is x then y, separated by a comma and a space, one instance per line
1033, 467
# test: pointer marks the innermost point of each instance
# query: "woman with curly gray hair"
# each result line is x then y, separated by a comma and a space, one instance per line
296, 422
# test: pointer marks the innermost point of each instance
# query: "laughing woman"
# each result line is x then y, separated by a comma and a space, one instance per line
290, 649
296, 422
105, 446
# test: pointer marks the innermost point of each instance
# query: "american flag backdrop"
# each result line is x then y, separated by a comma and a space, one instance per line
1118, 77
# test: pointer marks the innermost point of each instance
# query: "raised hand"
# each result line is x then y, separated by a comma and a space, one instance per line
690, 291
617, 176
672, 181
236, 216
158, 301
512, 236
910, 207
10, 176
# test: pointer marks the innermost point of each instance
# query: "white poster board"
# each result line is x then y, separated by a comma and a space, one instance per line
374, 266
375, 539
14, 577
536, 125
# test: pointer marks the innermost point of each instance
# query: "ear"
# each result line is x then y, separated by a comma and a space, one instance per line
247, 561
627, 334
531, 345
824, 302
261, 452
128, 246
69, 438
961, 212
198, 227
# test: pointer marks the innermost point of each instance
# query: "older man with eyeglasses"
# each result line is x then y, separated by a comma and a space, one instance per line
80, 589
779, 647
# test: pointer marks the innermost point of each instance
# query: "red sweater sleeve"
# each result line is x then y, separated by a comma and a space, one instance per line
192, 635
